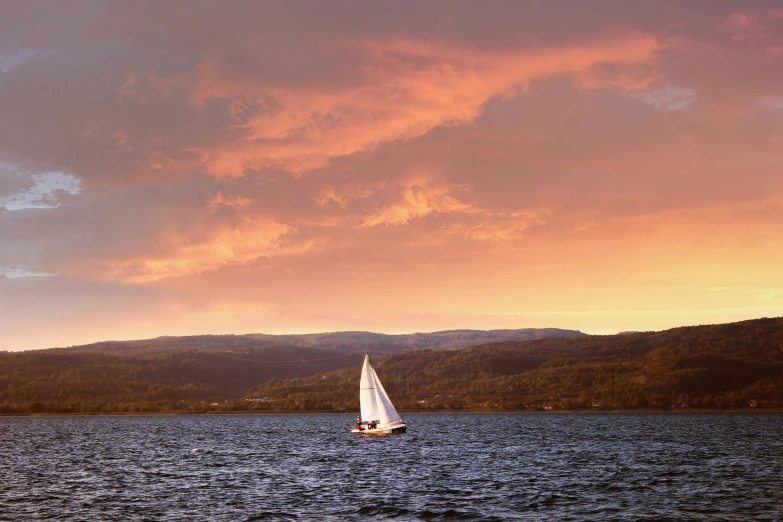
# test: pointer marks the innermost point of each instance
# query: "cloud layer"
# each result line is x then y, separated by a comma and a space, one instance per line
184, 167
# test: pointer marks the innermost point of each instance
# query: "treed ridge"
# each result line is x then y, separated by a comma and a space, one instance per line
736, 365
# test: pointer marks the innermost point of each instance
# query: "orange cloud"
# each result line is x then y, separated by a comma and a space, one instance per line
499, 227
328, 196
183, 255
219, 200
417, 199
619, 76
408, 88
572, 174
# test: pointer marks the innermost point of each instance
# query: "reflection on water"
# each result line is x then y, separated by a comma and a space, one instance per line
448, 466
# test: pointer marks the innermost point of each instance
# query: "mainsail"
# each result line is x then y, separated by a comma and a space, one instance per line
374, 402
367, 400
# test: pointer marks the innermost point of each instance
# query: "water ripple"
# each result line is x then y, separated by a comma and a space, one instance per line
644, 466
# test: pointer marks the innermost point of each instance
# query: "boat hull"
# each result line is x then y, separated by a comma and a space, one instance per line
393, 430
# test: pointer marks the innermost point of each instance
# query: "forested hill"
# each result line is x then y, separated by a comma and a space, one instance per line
169, 372
342, 342
53, 380
738, 365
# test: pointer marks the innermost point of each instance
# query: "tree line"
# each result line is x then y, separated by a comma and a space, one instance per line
737, 365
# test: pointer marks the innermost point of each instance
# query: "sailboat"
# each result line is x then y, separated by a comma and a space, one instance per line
378, 415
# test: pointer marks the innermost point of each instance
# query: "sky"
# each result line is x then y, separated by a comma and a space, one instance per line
189, 167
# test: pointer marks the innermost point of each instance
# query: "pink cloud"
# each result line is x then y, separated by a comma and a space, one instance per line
328, 196
310, 166
180, 255
407, 89
419, 197
219, 200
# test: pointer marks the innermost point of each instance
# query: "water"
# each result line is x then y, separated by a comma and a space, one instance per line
646, 466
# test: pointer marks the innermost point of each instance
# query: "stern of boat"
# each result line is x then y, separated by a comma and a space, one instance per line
392, 430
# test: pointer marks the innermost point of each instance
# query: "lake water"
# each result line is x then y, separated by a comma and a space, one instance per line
589, 466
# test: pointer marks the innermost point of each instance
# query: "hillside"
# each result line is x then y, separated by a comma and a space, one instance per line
84, 382
736, 365
342, 342
167, 372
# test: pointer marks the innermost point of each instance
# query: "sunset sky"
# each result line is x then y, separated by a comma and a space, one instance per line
175, 168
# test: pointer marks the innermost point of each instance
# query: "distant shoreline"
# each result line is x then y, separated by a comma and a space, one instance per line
735, 367
153, 413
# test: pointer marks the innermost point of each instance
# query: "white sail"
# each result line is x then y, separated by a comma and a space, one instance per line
367, 392
378, 415
387, 415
